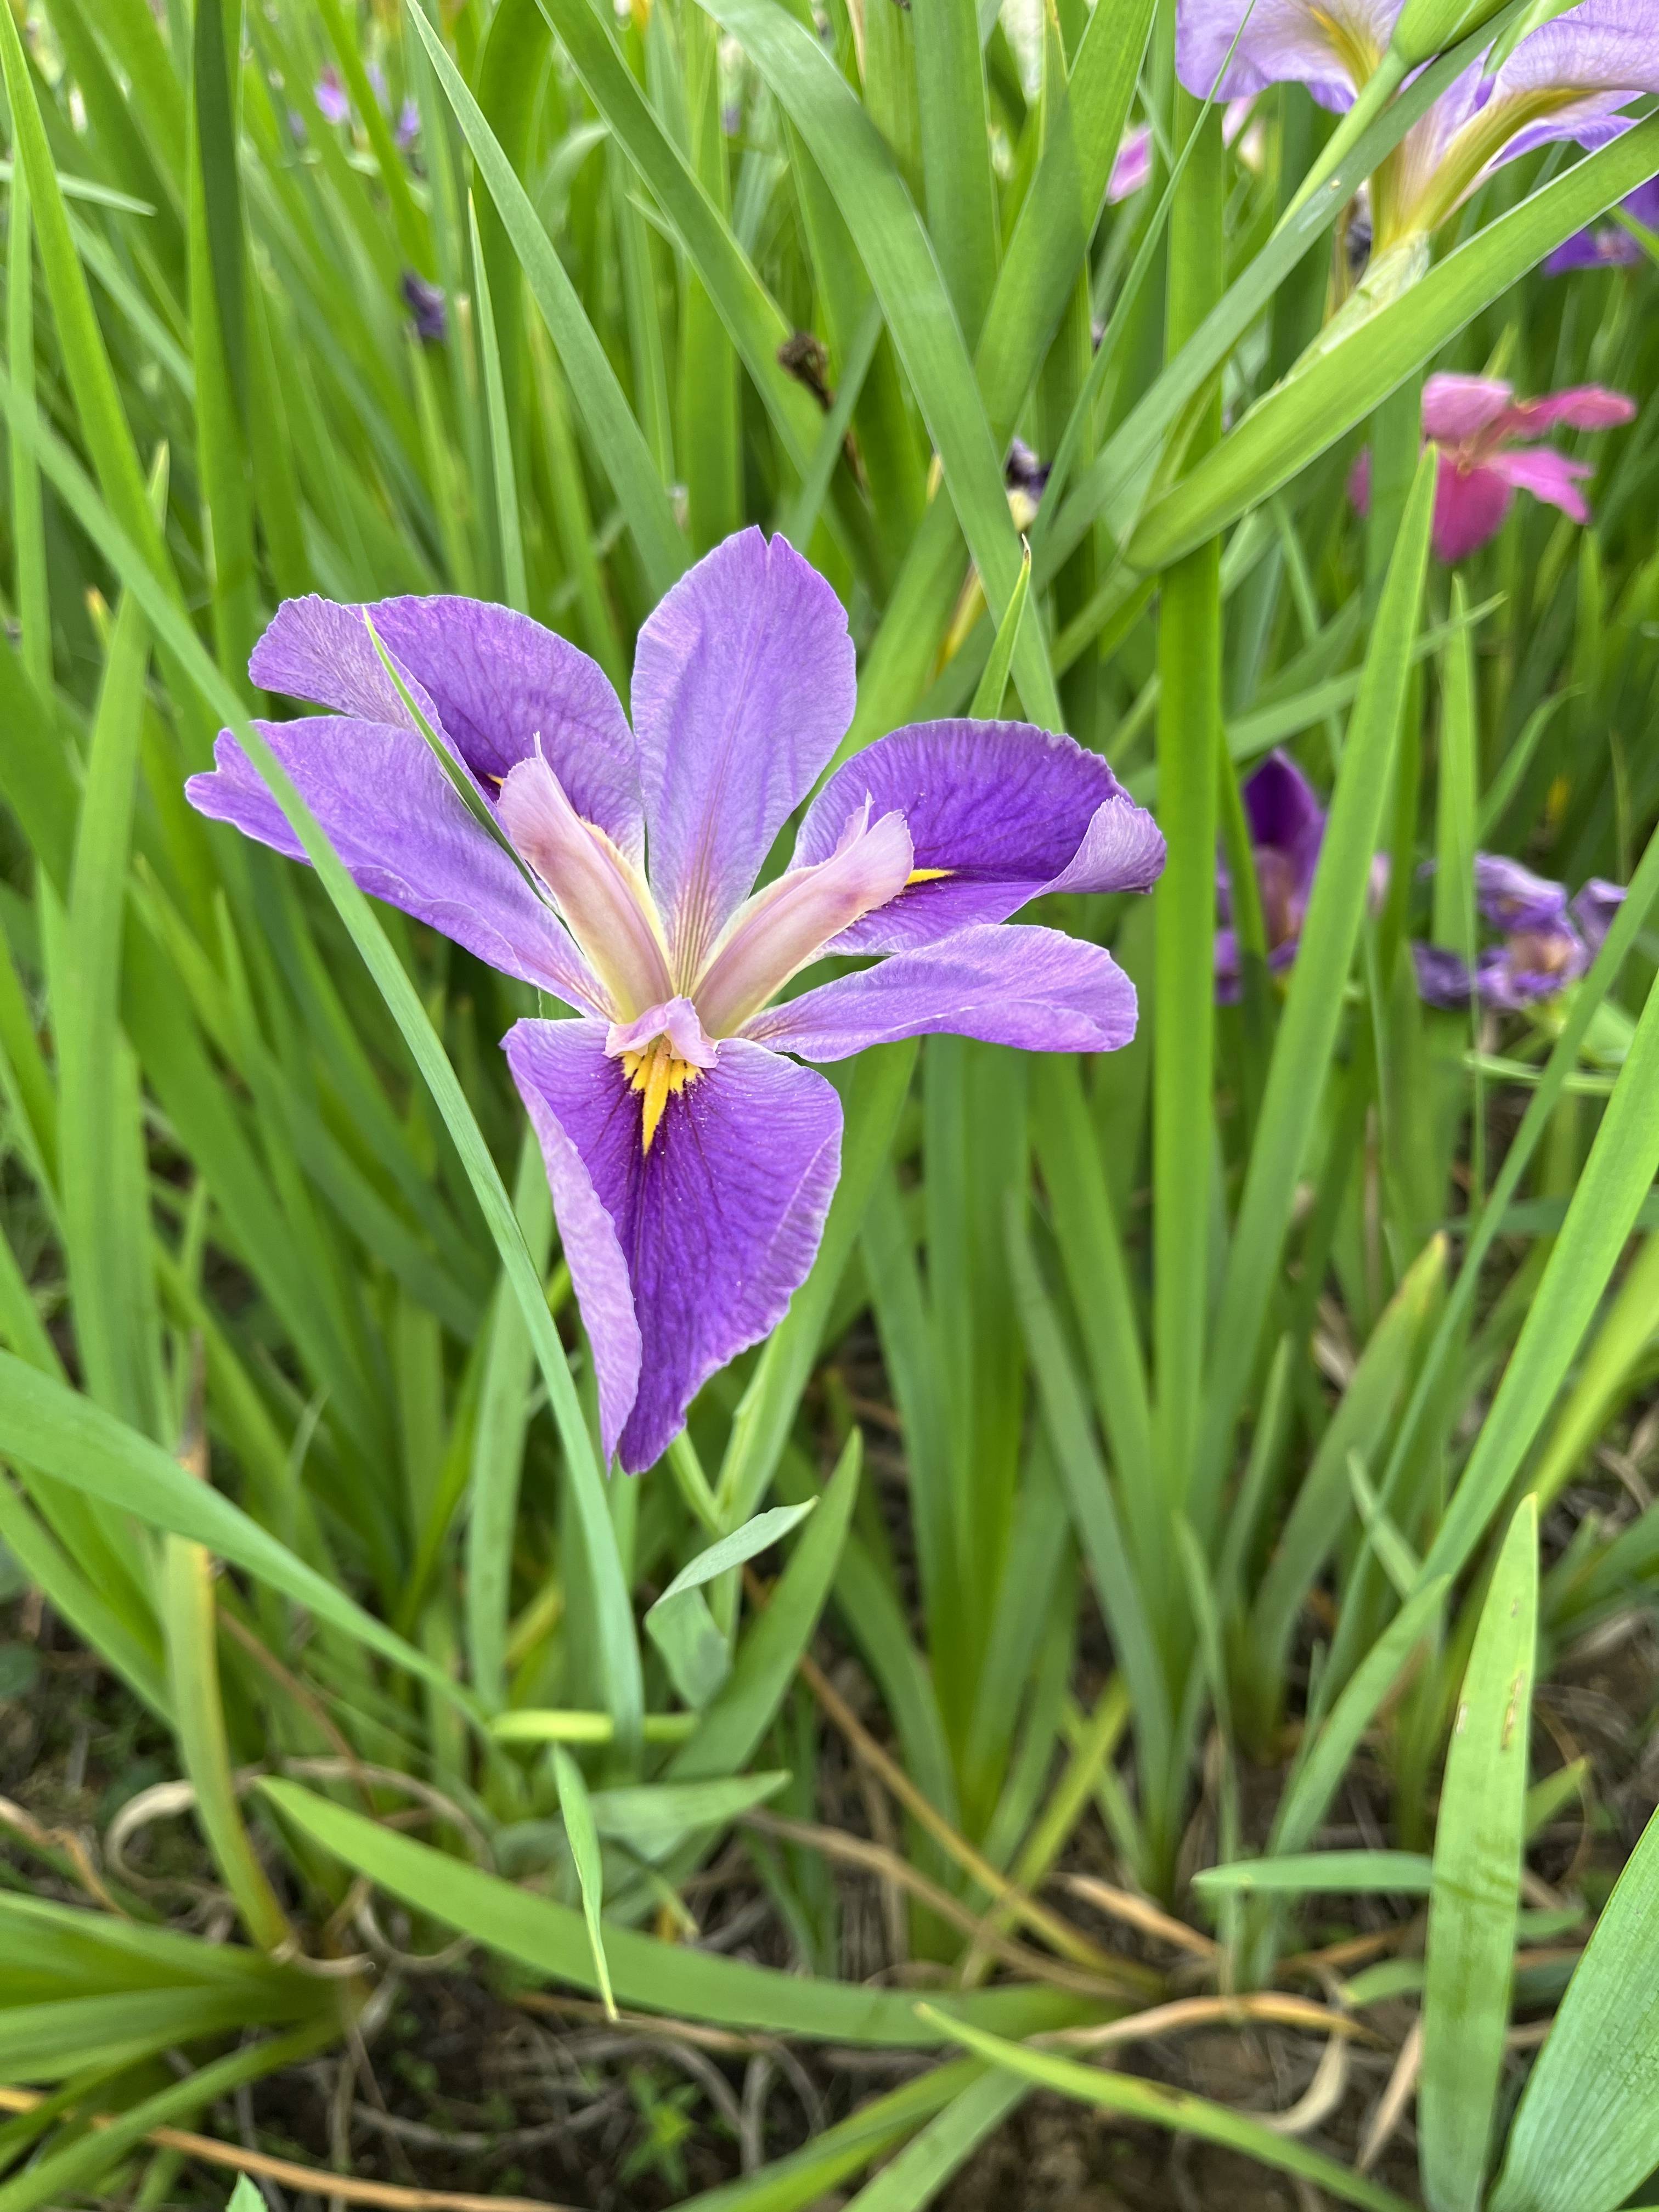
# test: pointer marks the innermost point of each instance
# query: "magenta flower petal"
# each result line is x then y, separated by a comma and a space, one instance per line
683, 1256
494, 680
1459, 407
1548, 475
743, 685
998, 812
1035, 989
1329, 49
405, 835
1579, 407
1470, 505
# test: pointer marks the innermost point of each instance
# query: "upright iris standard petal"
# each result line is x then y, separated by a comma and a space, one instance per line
1455, 408
599, 893
998, 812
743, 685
494, 681
683, 1256
406, 835
1035, 989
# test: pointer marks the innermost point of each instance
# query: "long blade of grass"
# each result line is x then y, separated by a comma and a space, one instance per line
1477, 1883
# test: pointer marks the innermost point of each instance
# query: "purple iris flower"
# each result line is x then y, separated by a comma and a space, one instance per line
1287, 828
1609, 245
691, 1162
426, 303
332, 104
1548, 940
409, 123
1569, 79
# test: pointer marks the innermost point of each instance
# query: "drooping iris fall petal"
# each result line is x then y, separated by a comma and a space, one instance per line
683, 1256
406, 835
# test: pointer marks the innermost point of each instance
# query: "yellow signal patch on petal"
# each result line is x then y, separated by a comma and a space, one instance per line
659, 1075
926, 876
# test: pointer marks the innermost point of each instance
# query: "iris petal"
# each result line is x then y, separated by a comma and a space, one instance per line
683, 1257
601, 896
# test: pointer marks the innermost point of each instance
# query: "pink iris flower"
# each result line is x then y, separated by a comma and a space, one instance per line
1486, 440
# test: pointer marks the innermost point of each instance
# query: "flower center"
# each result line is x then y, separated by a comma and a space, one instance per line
658, 1074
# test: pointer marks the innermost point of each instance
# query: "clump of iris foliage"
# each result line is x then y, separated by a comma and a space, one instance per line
1253, 1254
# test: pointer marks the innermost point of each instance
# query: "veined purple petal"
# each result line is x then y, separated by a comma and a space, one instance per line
684, 1255
998, 812
775, 934
1470, 505
1035, 989
599, 891
1600, 45
1593, 909
494, 680
743, 685
405, 837
1330, 49
1511, 897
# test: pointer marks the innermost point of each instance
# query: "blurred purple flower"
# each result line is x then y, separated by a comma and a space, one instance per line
1484, 435
1569, 79
1548, 940
332, 104
691, 1163
409, 123
1286, 824
1609, 245
426, 303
